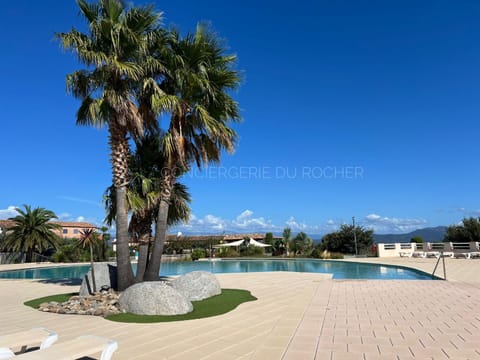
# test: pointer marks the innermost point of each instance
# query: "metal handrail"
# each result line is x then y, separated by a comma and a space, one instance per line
436, 265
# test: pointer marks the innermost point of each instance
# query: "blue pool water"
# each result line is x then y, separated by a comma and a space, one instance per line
339, 269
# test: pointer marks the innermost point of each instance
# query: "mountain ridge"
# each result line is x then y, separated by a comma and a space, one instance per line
429, 234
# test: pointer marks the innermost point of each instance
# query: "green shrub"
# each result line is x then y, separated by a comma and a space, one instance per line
315, 253
252, 251
318, 254
197, 254
228, 252
417, 240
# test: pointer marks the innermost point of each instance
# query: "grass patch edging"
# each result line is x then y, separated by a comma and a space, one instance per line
227, 301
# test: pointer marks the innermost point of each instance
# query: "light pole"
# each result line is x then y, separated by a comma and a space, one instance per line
355, 236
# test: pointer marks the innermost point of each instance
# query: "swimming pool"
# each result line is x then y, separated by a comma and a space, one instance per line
339, 269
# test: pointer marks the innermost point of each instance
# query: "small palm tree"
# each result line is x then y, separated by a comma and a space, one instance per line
301, 243
286, 237
33, 231
88, 237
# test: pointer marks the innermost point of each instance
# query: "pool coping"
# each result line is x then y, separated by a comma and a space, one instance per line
412, 269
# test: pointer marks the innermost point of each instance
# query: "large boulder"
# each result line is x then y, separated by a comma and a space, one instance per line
197, 285
105, 275
154, 298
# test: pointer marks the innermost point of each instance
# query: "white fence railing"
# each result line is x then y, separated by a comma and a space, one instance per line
428, 248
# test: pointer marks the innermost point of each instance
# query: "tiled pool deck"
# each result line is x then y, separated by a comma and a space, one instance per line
297, 316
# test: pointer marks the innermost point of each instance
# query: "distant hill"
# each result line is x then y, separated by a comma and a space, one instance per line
432, 234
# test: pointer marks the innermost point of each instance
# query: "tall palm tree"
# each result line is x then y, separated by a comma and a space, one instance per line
142, 198
33, 231
198, 84
88, 237
115, 51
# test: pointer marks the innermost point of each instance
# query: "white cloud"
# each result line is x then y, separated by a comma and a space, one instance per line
80, 219
64, 216
373, 217
244, 222
8, 212
214, 222
245, 215
383, 224
295, 225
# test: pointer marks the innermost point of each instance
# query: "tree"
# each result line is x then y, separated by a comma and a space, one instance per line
343, 240
116, 52
88, 237
142, 198
104, 243
198, 83
417, 240
287, 236
468, 231
33, 231
301, 244
269, 238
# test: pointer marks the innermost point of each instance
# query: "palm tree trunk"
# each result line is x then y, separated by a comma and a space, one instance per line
93, 270
124, 266
119, 157
29, 256
166, 187
153, 270
142, 260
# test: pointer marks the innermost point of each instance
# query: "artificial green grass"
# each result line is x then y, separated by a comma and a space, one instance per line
228, 300
35, 303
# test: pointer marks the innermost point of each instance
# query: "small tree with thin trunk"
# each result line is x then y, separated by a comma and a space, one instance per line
88, 237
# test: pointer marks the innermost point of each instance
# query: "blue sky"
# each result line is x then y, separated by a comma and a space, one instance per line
350, 108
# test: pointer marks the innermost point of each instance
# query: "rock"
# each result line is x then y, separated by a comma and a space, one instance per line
102, 305
105, 275
154, 298
197, 285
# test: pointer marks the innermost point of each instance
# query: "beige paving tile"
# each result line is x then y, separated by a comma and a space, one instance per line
296, 314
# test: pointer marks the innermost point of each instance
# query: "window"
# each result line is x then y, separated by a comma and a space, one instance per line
75, 231
65, 231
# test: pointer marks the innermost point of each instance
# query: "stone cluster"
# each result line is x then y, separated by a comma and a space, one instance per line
146, 298
98, 304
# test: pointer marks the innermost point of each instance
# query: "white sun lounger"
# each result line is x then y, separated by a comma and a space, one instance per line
22, 340
79, 347
420, 254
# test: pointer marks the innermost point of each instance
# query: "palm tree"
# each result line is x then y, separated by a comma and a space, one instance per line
142, 198
116, 52
104, 243
198, 80
88, 237
286, 237
33, 231
301, 243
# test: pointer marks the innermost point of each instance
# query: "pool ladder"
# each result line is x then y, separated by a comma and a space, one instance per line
436, 265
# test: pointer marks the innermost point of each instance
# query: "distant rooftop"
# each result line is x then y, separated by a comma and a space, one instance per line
77, 224
7, 224
220, 237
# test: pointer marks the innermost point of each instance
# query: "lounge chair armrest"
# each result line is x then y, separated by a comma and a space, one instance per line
109, 349
6, 353
49, 339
